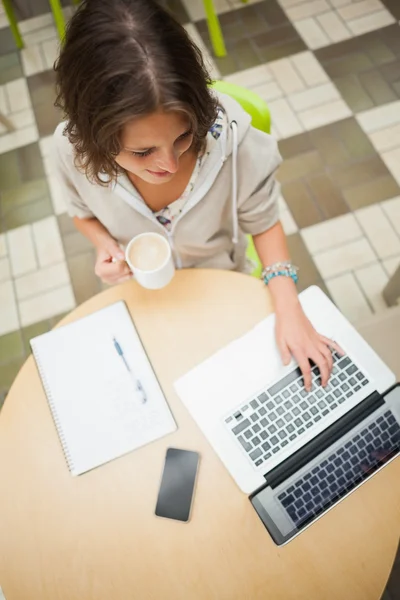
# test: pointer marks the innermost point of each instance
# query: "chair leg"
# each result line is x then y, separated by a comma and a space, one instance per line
13, 23
58, 17
214, 28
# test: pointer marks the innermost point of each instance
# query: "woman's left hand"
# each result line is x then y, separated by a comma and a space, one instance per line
296, 336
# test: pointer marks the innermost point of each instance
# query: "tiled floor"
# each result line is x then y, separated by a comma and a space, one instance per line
330, 72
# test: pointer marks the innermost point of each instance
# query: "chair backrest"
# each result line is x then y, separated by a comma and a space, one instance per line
249, 101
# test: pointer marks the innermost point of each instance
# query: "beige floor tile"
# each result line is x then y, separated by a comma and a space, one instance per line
48, 242
332, 233
309, 68
333, 26
324, 114
51, 50
35, 23
380, 117
284, 118
386, 139
315, 96
391, 264
5, 271
366, 23
18, 95
268, 91
307, 9
288, 223
312, 33
392, 210
379, 231
21, 250
3, 245
46, 305
391, 158
250, 78
286, 76
32, 60
372, 280
40, 35
348, 297
8, 314
345, 258
359, 9
41, 281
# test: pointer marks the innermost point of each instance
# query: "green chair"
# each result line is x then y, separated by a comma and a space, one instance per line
57, 15
260, 119
214, 28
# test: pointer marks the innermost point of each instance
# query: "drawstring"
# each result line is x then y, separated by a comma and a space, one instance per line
235, 237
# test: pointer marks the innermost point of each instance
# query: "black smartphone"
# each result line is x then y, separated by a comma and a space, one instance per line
177, 484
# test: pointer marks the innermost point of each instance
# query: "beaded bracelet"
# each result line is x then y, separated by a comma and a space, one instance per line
285, 269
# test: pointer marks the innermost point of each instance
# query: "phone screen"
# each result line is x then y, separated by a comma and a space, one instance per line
177, 484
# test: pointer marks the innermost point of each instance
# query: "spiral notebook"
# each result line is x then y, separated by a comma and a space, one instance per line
92, 391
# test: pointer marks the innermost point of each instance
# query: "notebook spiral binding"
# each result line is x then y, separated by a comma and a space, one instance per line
57, 423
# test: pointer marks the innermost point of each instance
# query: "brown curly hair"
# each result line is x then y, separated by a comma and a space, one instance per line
121, 60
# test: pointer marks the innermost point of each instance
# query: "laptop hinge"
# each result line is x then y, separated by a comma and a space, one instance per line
325, 439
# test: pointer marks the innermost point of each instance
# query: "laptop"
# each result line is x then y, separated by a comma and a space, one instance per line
296, 454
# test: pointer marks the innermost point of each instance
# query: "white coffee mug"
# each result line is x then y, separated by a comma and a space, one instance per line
149, 256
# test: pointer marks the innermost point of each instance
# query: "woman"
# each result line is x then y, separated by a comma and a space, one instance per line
147, 147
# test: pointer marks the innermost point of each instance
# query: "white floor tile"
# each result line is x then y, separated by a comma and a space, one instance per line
19, 138
46, 305
56, 193
334, 27
386, 139
47, 241
21, 250
250, 77
315, 96
43, 280
5, 271
8, 314
40, 35
379, 231
32, 60
290, 3
23, 118
51, 50
3, 23
309, 68
391, 159
284, 118
286, 76
373, 280
380, 117
3, 245
288, 223
18, 95
371, 22
312, 33
195, 9
332, 233
325, 114
345, 258
392, 209
35, 23
268, 91
307, 9
4, 106
391, 265
349, 298
359, 9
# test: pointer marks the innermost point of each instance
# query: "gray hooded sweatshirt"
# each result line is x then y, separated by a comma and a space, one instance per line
234, 194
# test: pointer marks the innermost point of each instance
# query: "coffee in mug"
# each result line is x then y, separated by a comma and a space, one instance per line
150, 258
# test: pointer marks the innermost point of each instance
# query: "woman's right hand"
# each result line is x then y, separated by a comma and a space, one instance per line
111, 271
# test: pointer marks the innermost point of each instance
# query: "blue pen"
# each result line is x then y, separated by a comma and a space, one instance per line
139, 386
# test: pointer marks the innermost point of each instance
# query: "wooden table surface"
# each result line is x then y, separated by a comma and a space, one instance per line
95, 537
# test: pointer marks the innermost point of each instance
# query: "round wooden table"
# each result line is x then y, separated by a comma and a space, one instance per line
95, 537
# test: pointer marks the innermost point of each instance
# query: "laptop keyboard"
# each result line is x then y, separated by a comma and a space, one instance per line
342, 470
285, 411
